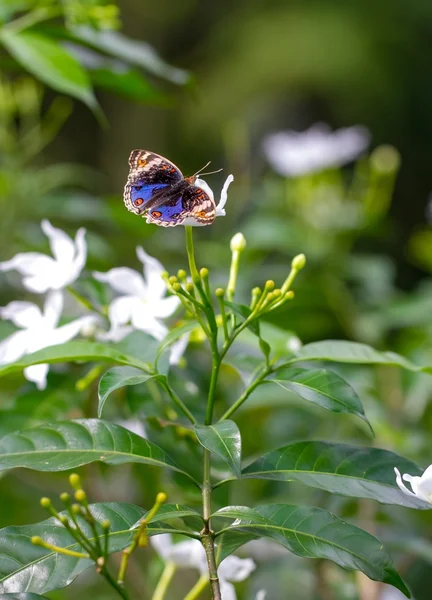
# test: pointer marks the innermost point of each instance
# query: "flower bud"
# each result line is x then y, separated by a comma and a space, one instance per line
63, 519
177, 287
238, 243
276, 293
161, 498
75, 481
204, 272
269, 285
385, 159
181, 274
80, 496
76, 509
36, 540
165, 275
298, 262
173, 279
106, 524
65, 497
220, 292
190, 287
289, 295
45, 503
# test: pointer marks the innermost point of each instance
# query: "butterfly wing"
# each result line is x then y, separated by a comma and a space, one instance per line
150, 178
192, 206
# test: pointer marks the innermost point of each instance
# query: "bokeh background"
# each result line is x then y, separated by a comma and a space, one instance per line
235, 72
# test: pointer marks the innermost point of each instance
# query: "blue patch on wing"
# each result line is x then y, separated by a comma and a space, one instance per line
145, 192
168, 213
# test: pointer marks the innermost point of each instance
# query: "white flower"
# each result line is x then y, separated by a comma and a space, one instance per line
37, 330
293, 153
220, 207
191, 554
135, 426
41, 272
421, 486
141, 304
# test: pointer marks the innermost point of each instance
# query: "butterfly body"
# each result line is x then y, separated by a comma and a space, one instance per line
156, 189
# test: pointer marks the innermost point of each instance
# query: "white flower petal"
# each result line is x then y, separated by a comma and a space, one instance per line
22, 314
13, 347
153, 270
135, 426
189, 554
28, 263
115, 334
220, 208
401, 484
64, 334
178, 349
261, 595
227, 590
234, 568
162, 544
80, 251
124, 280
53, 308
145, 321
163, 308
121, 309
62, 246
205, 186
37, 374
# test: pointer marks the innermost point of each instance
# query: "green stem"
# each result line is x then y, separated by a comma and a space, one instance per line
246, 394
207, 533
31, 18
164, 581
113, 583
198, 588
178, 402
191, 255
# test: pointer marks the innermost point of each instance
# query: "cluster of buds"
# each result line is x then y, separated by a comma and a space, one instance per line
195, 292
95, 547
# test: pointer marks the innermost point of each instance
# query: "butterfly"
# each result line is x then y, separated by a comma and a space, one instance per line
157, 190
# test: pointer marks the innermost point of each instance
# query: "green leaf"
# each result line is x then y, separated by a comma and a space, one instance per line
351, 352
167, 512
68, 444
339, 469
172, 336
224, 440
116, 378
39, 570
315, 533
131, 51
76, 351
321, 387
129, 83
244, 311
50, 62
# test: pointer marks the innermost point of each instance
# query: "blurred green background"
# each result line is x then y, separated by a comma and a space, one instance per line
235, 72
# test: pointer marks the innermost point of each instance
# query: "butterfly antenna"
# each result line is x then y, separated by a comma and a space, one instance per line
208, 173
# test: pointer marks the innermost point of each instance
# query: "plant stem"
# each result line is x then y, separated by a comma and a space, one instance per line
164, 581
207, 533
191, 255
246, 394
113, 583
177, 401
199, 587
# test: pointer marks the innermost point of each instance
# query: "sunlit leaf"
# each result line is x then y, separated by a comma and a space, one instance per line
168, 512
76, 351
68, 444
116, 378
50, 62
350, 352
321, 387
315, 533
340, 469
224, 440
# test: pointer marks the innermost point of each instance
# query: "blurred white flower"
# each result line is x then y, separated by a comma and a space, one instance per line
191, 554
421, 486
37, 330
391, 593
220, 207
41, 272
294, 153
135, 426
141, 304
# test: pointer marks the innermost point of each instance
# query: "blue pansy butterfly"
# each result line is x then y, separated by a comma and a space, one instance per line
157, 190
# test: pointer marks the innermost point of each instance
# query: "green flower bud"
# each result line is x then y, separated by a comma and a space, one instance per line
177, 287
298, 262
289, 295
220, 293
165, 275
36, 540
63, 519
181, 274
106, 524
75, 481
238, 243
190, 287
385, 159
80, 496
45, 503
173, 279
269, 285
65, 497
204, 272
76, 509
276, 293
161, 498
